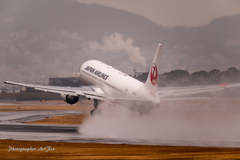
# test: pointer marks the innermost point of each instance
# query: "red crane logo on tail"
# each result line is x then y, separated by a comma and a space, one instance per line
154, 74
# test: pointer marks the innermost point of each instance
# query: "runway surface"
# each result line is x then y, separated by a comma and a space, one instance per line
12, 128
30, 104
25, 116
38, 128
69, 133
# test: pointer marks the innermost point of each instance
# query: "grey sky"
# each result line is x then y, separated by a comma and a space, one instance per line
175, 12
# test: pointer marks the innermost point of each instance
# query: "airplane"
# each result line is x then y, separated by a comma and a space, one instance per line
105, 83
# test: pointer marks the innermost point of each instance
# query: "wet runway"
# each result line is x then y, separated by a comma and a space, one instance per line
25, 116
38, 128
69, 133
12, 128
29, 104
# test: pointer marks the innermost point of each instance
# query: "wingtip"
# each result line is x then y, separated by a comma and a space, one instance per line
6, 82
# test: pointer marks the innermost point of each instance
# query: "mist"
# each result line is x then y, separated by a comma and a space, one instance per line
194, 122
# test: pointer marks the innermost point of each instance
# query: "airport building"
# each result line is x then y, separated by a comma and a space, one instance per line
73, 81
4, 90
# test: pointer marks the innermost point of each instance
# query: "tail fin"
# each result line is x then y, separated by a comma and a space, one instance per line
152, 80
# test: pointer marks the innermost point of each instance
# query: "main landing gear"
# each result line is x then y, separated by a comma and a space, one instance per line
96, 103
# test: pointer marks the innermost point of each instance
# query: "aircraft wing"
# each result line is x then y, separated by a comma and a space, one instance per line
165, 94
89, 92
94, 92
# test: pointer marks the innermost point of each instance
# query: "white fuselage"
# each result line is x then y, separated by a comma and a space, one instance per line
114, 82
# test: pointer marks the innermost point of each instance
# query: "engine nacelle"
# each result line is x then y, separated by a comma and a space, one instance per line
70, 99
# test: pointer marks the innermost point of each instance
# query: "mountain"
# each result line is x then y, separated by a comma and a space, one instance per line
95, 21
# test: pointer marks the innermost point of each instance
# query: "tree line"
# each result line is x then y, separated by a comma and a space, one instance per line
177, 78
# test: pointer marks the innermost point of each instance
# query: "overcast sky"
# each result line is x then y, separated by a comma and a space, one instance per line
175, 12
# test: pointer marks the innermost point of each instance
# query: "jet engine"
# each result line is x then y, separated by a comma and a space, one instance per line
70, 99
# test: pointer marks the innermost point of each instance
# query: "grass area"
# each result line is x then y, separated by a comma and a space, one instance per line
64, 150
68, 119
